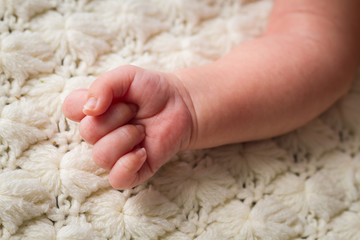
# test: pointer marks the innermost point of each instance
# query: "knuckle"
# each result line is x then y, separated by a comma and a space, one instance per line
87, 130
126, 165
125, 110
100, 158
127, 132
131, 132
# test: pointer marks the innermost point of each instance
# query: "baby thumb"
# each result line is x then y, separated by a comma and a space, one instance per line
109, 86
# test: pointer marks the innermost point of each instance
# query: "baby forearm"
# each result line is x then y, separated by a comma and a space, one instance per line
271, 85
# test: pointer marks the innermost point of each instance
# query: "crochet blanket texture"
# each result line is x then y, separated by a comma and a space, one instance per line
303, 185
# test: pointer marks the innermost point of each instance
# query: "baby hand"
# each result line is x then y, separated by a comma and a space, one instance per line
136, 119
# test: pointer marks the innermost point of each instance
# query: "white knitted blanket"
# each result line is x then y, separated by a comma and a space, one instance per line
304, 185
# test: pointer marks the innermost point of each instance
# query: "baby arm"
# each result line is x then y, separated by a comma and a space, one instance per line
305, 61
137, 119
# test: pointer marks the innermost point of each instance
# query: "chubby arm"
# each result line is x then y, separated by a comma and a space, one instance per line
304, 62
137, 118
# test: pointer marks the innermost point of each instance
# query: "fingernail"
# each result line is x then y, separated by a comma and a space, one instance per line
90, 104
133, 107
141, 153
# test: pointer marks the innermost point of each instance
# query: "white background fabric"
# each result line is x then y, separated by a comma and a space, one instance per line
304, 185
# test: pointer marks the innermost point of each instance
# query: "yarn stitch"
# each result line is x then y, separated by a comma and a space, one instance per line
303, 185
